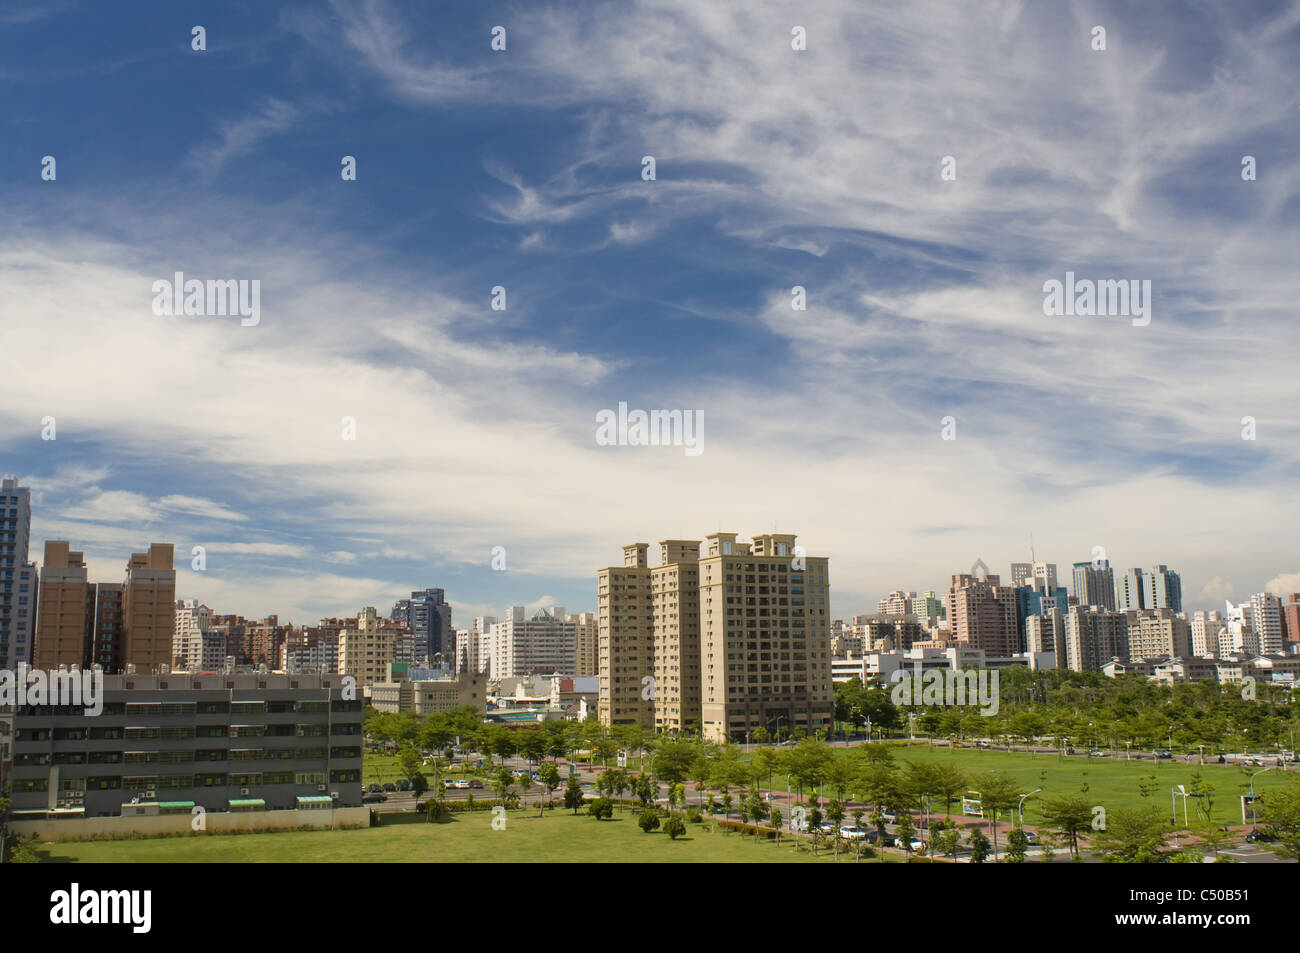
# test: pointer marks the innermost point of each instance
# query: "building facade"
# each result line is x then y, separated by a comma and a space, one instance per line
18, 578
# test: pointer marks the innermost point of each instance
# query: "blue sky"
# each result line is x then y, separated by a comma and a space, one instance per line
775, 168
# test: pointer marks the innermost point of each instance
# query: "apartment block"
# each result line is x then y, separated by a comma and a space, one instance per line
65, 608
983, 614
586, 630
1094, 636
1291, 620
18, 578
1158, 633
196, 646
1266, 617
422, 695
366, 651
1164, 589
675, 612
1205, 633
1131, 590
519, 645
149, 609
625, 612
171, 743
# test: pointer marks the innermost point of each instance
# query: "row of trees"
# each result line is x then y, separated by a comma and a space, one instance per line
1088, 708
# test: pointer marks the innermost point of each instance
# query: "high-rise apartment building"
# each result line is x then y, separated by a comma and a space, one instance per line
196, 646
18, 580
744, 628
1094, 584
65, 607
149, 609
519, 645
625, 614
366, 651
1205, 633
1094, 636
1165, 589
586, 629
1266, 615
984, 614
1291, 621
1158, 633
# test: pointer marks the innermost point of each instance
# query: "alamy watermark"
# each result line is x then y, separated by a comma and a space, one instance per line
1107, 296
33, 686
655, 428
947, 688
190, 296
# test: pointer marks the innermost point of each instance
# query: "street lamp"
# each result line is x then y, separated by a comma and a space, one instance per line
1021, 808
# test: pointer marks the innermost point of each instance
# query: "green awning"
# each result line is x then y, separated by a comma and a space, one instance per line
316, 799
177, 805
248, 804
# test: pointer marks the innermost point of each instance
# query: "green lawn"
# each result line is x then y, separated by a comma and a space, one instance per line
559, 837
1111, 782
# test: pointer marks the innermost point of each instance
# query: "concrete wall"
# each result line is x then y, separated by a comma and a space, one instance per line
114, 828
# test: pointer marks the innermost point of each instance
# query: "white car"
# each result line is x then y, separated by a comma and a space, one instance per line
852, 833
462, 784
918, 846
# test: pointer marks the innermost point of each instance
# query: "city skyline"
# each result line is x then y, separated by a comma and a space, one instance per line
476, 169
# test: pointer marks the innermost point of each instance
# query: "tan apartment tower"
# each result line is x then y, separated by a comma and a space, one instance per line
149, 609
65, 607
625, 640
737, 639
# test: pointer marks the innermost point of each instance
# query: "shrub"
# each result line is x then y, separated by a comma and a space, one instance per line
649, 820
675, 827
601, 808
694, 816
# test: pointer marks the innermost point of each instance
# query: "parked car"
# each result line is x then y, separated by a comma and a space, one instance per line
1259, 835
1097, 753
403, 784
918, 846
982, 744
476, 784
374, 798
889, 816
1163, 753
390, 787
1032, 839
374, 789
462, 784
852, 833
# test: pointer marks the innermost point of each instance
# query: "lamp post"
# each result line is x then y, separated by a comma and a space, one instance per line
1021, 808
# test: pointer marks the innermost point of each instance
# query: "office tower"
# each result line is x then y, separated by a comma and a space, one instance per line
1130, 591
18, 581
1093, 637
429, 616
519, 645
586, 628
1164, 589
367, 649
1021, 573
1205, 633
65, 607
764, 638
626, 640
984, 614
1094, 585
149, 609
1158, 633
1266, 620
675, 607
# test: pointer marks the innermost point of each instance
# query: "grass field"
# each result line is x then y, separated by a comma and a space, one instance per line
1111, 783
558, 837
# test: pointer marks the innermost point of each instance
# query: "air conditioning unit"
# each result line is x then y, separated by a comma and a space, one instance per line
321, 788
302, 732
243, 792
150, 793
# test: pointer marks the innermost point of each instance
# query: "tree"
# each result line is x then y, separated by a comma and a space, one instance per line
419, 784
948, 839
672, 760
573, 795
549, 775
1069, 815
649, 820
906, 833
776, 819
1133, 836
435, 810
979, 846
998, 793
1017, 846
1282, 814
601, 809
674, 827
